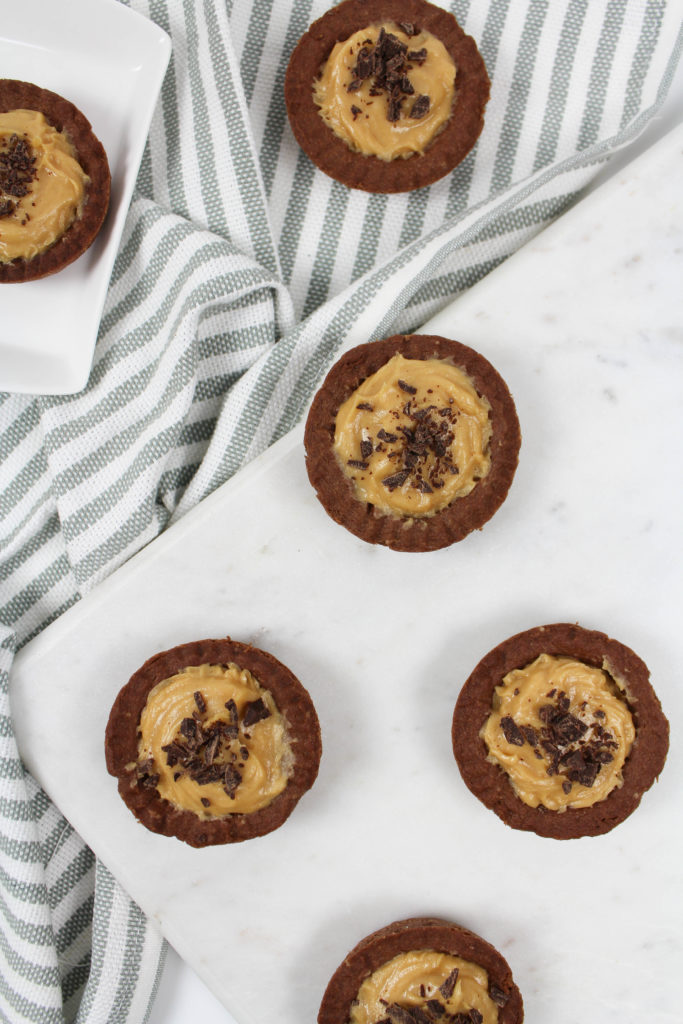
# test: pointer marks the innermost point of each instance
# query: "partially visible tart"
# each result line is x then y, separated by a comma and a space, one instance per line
54, 182
386, 95
213, 742
419, 971
412, 442
559, 731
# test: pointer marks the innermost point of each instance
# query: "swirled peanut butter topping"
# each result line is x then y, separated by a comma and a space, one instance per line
386, 91
212, 741
562, 731
42, 185
423, 986
414, 436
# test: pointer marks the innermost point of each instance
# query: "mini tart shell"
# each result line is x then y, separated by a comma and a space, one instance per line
159, 815
335, 489
369, 173
413, 934
63, 116
489, 782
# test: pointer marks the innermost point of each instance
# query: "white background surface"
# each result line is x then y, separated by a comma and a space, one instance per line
182, 995
583, 325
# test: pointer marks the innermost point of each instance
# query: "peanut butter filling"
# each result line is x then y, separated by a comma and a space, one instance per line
438, 984
385, 92
562, 731
213, 742
42, 185
414, 436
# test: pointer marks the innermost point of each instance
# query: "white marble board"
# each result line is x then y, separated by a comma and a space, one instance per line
584, 323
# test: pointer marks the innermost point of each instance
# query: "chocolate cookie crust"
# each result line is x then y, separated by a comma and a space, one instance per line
490, 783
370, 173
159, 815
418, 933
64, 116
335, 489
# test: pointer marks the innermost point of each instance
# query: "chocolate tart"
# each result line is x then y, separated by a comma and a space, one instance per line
404, 532
370, 173
65, 117
413, 934
491, 785
160, 815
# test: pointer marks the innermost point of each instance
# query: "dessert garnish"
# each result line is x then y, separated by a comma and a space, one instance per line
561, 730
387, 90
414, 436
42, 184
205, 745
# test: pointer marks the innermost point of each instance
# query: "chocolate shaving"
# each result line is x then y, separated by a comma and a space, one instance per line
498, 996
254, 712
408, 388
420, 107
572, 748
17, 172
396, 479
447, 987
511, 731
386, 65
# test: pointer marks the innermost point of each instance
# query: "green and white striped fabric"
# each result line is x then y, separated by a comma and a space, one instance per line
241, 271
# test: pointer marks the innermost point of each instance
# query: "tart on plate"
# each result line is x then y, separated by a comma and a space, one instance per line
213, 741
386, 95
422, 970
412, 442
559, 731
55, 182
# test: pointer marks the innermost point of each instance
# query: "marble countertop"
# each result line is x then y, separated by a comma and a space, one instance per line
585, 325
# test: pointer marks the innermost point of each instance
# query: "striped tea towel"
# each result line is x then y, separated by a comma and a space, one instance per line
242, 270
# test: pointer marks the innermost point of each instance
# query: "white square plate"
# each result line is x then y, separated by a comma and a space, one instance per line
110, 62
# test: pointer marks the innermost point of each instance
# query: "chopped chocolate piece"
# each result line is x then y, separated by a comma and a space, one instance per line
475, 1016
366, 406
511, 731
190, 729
436, 1008
447, 987
254, 712
420, 107
357, 463
408, 388
497, 995
384, 435
396, 479
407, 27
231, 780
400, 1014
200, 702
205, 801
529, 734
366, 448
355, 111
417, 56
